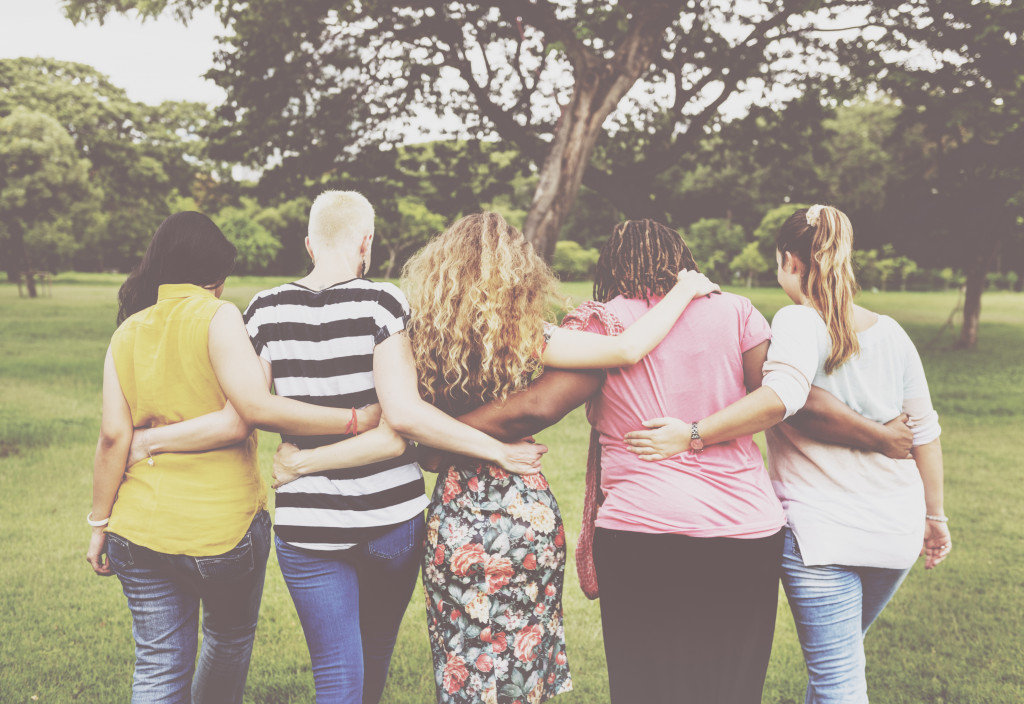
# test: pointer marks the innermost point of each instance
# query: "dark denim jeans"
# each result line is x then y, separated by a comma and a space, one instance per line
164, 594
351, 603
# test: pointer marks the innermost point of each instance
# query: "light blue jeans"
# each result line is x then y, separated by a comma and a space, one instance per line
351, 603
833, 607
164, 594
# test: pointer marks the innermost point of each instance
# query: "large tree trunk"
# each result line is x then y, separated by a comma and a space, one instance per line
599, 86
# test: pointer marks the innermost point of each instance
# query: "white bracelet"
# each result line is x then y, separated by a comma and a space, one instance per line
96, 524
940, 519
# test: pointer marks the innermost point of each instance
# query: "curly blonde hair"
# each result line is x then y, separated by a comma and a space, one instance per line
479, 296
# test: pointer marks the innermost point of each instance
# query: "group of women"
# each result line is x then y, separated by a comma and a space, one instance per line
685, 533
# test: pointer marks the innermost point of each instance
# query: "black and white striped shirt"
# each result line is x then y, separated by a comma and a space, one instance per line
320, 347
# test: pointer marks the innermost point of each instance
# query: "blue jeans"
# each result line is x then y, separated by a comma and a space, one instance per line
164, 593
833, 607
351, 603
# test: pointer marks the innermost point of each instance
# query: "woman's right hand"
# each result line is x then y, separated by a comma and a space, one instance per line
522, 457
368, 417
139, 449
97, 555
697, 283
285, 464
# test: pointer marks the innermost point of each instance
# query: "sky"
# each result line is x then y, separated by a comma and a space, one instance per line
153, 61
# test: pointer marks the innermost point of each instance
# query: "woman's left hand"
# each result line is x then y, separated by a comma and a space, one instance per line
97, 555
937, 543
285, 464
666, 437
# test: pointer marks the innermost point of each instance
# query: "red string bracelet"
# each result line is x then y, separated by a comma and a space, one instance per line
353, 425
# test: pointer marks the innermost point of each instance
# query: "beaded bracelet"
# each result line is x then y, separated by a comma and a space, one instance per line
940, 519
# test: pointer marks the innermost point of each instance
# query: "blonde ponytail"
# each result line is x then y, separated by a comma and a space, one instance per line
822, 238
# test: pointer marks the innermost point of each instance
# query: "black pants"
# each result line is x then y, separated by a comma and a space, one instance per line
687, 620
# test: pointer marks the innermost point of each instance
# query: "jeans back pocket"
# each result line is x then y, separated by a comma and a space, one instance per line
397, 541
119, 552
236, 562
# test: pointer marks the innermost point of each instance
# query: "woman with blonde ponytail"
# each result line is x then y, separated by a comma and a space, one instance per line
857, 520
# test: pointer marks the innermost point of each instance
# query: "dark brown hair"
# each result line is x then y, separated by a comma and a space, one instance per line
187, 248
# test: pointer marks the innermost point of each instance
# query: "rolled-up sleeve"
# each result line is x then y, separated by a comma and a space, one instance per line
793, 356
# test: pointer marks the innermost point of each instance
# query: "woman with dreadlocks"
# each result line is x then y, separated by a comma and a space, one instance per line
857, 521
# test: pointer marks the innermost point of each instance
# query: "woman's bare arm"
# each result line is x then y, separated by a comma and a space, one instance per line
109, 462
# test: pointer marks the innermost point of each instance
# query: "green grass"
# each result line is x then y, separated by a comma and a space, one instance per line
950, 636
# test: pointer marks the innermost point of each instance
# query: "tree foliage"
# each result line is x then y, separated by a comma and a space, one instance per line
46, 199
137, 154
313, 84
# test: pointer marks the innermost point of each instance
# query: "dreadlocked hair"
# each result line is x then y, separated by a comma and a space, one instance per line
641, 260
821, 237
479, 296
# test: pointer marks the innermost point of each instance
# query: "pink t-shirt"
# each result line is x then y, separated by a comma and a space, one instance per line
698, 369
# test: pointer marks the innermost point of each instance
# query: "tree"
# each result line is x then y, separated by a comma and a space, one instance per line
750, 262
137, 154
573, 262
715, 242
46, 199
248, 227
966, 198
312, 85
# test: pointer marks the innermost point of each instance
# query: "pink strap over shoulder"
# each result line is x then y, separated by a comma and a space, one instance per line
579, 319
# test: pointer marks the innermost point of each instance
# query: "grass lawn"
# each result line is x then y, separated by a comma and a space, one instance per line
950, 635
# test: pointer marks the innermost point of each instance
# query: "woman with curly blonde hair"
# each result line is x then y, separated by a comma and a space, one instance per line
495, 559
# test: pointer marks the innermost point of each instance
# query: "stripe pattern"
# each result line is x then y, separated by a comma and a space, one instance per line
320, 347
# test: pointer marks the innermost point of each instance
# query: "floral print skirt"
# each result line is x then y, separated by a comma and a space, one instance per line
493, 574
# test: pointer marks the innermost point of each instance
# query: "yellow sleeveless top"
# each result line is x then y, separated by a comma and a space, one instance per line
194, 503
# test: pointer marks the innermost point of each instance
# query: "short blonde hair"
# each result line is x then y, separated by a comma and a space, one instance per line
338, 219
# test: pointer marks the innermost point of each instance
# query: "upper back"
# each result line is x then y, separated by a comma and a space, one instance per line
698, 368
162, 357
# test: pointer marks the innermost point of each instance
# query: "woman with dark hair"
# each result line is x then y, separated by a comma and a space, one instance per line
188, 529
857, 521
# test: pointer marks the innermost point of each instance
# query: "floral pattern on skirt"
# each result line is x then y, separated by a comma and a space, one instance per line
493, 574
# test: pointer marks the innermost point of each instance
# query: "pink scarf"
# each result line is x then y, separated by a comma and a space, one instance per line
579, 319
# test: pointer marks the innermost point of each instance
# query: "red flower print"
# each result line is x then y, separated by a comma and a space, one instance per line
498, 472
529, 535
551, 678
473, 484
550, 590
484, 663
498, 571
538, 609
535, 481
498, 642
439, 555
560, 658
527, 641
466, 556
455, 673
451, 486
455, 615
560, 537
530, 561
495, 517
